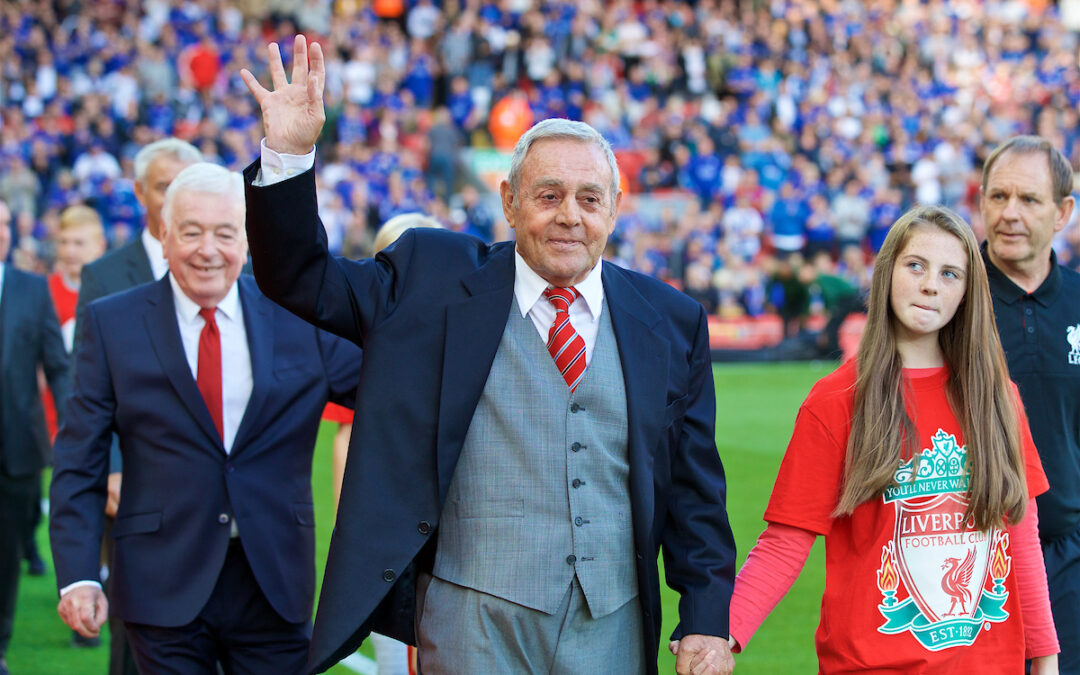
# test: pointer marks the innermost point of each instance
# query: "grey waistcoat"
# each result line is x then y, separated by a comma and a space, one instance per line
540, 491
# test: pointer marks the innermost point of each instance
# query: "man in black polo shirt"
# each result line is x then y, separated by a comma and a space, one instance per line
1025, 198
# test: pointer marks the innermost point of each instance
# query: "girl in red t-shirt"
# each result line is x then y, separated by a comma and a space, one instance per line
916, 464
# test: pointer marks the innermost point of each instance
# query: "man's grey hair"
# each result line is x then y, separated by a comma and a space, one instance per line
204, 178
561, 129
170, 147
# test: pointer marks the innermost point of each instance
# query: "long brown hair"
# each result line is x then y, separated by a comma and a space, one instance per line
978, 388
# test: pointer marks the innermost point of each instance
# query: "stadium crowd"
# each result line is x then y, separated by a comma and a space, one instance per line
764, 145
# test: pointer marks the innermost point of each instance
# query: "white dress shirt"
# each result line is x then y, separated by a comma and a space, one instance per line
154, 252
236, 378
529, 290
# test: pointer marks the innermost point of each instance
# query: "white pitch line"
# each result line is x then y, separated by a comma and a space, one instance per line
360, 664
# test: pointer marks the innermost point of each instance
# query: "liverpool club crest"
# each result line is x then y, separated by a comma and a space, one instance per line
952, 574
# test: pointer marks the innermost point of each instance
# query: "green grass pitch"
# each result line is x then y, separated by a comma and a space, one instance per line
756, 405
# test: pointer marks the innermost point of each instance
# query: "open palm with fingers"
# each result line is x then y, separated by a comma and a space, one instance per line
293, 113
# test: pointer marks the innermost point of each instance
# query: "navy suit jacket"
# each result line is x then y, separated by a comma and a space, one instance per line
113, 272
31, 338
181, 491
429, 313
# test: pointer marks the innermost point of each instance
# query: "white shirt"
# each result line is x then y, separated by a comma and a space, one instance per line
236, 378
154, 252
276, 166
529, 290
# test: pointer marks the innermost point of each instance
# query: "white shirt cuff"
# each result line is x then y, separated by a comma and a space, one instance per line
276, 166
70, 587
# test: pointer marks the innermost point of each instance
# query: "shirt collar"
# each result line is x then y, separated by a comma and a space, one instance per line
1008, 291
188, 309
155, 253
529, 287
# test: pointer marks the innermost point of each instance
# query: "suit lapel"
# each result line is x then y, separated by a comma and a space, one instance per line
139, 270
644, 355
474, 328
260, 337
161, 326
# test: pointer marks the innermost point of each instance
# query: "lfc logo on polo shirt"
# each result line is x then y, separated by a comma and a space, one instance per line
953, 575
1072, 335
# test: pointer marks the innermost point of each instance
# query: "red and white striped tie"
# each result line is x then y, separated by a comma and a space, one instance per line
564, 343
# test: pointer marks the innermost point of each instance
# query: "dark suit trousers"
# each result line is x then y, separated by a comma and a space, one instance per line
238, 628
121, 661
17, 494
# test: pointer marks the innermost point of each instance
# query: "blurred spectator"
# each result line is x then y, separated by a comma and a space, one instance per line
789, 294
851, 214
94, 167
445, 147
1070, 253
743, 226
787, 220
20, 187
80, 240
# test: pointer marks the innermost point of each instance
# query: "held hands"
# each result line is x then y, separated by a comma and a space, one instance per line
293, 113
84, 609
702, 655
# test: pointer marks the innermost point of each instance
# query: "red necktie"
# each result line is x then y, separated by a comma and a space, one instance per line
209, 377
564, 343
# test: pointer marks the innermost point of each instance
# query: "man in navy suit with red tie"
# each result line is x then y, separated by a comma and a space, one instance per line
215, 394
506, 498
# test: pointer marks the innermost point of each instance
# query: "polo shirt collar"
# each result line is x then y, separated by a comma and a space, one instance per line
1005, 289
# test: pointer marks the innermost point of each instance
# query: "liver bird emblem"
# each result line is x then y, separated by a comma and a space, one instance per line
1072, 334
956, 579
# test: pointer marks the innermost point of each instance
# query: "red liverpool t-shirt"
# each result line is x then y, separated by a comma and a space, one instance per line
909, 586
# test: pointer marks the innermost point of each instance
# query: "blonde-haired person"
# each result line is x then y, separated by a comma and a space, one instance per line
915, 462
392, 656
80, 240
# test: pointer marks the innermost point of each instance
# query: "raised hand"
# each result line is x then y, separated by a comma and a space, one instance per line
293, 113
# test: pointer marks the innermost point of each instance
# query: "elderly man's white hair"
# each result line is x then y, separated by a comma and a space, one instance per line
204, 178
561, 129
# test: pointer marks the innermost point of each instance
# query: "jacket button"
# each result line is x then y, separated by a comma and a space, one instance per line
578, 521
577, 447
574, 407
571, 559
388, 576
223, 518
424, 527
229, 467
577, 483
